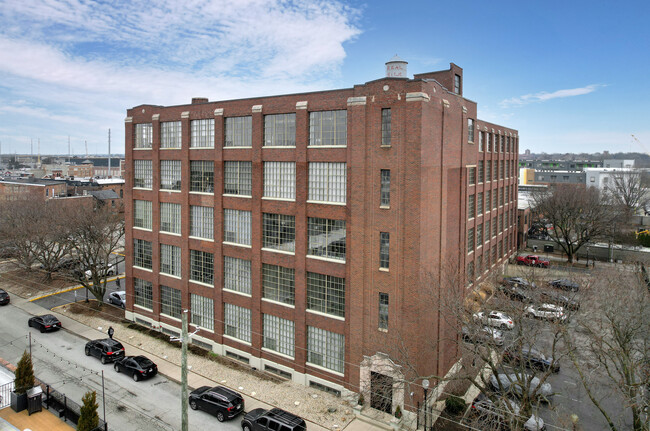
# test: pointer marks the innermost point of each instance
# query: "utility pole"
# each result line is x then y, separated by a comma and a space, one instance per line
109, 154
184, 400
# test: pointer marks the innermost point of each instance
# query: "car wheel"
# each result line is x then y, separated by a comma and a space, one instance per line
519, 262
29, 323
136, 377
42, 329
87, 351
246, 427
503, 326
193, 405
220, 417
116, 368
103, 360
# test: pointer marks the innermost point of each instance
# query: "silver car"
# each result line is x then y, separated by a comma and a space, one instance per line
501, 412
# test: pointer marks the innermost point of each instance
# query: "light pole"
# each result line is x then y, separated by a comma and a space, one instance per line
184, 340
425, 386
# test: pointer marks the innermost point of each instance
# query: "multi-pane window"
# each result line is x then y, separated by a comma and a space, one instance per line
278, 283
481, 171
202, 266
488, 171
496, 143
500, 249
500, 222
500, 194
471, 175
495, 258
239, 131
202, 310
170, 260
280, 130
327, 182
326, 238
384, 249
470, 240
202, 222
507, 194
326, 349
495, 171
328, 128
142, 214
384, 192
280, 180
202, 133
457, 84
237, 322
470, 272
142, 174
489, 142
143, 135
479, 203
202, 176
142, 253
503, 143
479, 265
326, 294
488, 200
279, 334
143, 293
383, 310
479, 235
385, 127
501, 169
481, 141
170, 175
494, 227
170, 134
470, 130
471, 206
237, 226
237, 274
170, 217
487, 230
279, 232
170, 302
237, 178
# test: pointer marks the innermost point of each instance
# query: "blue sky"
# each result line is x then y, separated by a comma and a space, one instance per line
571, 76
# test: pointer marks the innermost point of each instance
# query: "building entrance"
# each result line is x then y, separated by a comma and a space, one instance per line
381, 389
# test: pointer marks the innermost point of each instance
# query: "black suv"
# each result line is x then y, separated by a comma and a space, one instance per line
274, 419
107, 350
221, 402
4, 297
565, 285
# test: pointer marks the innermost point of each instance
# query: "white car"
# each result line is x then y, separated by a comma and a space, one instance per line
546, 311
110, 271
516, 382
495, 318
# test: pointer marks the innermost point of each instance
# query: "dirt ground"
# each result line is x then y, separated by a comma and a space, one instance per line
30, 284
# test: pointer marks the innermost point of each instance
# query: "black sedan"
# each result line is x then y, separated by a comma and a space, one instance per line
138, 367
44, 323
515, 292
519, 282
565, 285
221, 402
558, 299
4, 297
532, 358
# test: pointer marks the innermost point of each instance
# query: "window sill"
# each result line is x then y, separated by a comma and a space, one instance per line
327, 259
143, 188
202, 148
200, 238
142, 148
230, 195
278, 146
382, 330
169, 190
319, 313
269, 198
142, 229
194, 192
230, 337
384, 269
275, 250
236, 292
171, 148
327, 370
385, 146
327, 146
327, 203
142, 268
284, 304
141, 307
384, 207
171, 276
200, 283
170, 233
235, 147
237, 244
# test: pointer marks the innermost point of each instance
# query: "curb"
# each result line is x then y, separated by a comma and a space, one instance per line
70, 289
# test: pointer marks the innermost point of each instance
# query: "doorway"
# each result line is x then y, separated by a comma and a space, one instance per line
381, 392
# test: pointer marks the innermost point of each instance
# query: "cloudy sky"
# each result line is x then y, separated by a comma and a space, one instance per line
571, 76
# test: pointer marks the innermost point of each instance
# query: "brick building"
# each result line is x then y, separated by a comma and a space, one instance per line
299, 230
12, 189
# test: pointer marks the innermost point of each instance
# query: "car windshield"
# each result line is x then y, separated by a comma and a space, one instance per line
143, 362
49, 319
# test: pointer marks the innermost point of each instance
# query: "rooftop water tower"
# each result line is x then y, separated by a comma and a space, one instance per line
396, 68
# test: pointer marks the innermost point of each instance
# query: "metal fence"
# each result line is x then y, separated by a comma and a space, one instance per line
5, 394
64, 407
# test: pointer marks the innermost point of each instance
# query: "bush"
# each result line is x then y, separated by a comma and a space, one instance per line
88, 418
361, 400
24, 374
455, 405
644, 239
398, 412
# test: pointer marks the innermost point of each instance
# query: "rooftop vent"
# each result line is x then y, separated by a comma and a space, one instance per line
396, 68
196, 100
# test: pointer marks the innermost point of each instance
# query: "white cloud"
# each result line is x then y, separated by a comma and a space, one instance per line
543, 96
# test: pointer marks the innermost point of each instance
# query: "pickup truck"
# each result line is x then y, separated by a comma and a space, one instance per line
532, 260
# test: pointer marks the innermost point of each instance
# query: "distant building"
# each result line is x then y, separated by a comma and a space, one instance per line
559, 177
560, 165
18, 188
618, 163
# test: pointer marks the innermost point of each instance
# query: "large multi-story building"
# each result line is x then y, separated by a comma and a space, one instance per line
304, 232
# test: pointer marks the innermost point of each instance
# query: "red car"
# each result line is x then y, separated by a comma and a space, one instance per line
532, 260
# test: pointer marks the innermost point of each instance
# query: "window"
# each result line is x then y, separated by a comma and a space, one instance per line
481, 171
471, 209
471, 175
142, 254
479, 265
170, 302
470, 272
479, 235
237, 322
385, 128
383, 310
384, 246
489, 142
326, 349
384, 193
481, 141
279, 334
237, 226
202, 133
500, 194
142, 214
237, 178
280, 180
202, 310
142, 174
488, 171
328, 128
170, 217
239, 131
503, 144
494, 227
170, 174
326, 294
170, 260
202, 266
278, 283
496, 143
326, 238
143, 135
280, 130
496, 170
500, 222
470, 130
143, 293
202, 176
501, 169
279, 232
487, 231
457, 84
237, 274
170, 134
470, 240
327, 182
479, 203
202, 222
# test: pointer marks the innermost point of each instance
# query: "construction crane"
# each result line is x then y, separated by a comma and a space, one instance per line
645, 150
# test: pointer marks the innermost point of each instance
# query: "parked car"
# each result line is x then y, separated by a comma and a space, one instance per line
531, 357
519, 282
550, 312
559, 299
221, 402
501, 412
494, 318
532, 260
4, 297
516, 293
274, 419
482, 335
118, 298
110, 271
565, 284
138, 367
107, 350
44, 323
515, 383
8, 252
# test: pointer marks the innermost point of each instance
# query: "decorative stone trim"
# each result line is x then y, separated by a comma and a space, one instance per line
356, 101
301, 105
218, 112
418, 96
185, 114
257, 108
464, 109
445, 103
155, 117
128, 120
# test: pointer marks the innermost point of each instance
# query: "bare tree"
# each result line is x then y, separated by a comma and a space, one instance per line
628, 189
50, 236
18, 224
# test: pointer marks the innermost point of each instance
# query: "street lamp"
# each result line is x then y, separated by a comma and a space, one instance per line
425, 386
